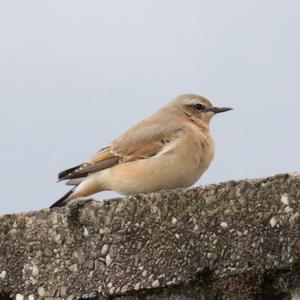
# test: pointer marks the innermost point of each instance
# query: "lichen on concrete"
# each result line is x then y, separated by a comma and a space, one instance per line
234, 240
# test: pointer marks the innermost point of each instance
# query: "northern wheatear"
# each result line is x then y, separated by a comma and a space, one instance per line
170, 149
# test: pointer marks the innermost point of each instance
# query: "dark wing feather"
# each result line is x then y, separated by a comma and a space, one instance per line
102, 160
87, 168
63, 174
140, 142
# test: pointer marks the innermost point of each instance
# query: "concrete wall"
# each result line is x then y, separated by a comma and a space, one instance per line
234, 240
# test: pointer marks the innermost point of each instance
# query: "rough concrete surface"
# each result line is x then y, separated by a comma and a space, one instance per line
234, 240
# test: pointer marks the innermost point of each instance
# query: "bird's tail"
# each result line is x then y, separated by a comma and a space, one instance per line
63, 200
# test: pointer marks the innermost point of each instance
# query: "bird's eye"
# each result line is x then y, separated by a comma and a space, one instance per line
199, 106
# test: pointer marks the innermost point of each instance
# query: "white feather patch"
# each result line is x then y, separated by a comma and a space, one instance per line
75, 181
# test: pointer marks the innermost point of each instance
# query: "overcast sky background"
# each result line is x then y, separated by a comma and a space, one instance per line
75, 74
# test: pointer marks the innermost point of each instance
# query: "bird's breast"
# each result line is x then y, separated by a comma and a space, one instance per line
199, 153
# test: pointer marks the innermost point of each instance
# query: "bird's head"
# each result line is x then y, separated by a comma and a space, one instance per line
196, 107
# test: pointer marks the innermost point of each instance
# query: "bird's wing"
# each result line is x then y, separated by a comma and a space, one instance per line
146, 139
140, 142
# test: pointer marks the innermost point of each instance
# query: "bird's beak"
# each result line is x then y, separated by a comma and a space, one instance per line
217, 110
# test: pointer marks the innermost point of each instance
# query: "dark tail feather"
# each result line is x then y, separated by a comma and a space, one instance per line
61, 202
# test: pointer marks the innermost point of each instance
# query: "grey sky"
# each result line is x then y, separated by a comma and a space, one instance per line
75, 74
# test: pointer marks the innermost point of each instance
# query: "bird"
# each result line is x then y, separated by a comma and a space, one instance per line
170, 149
